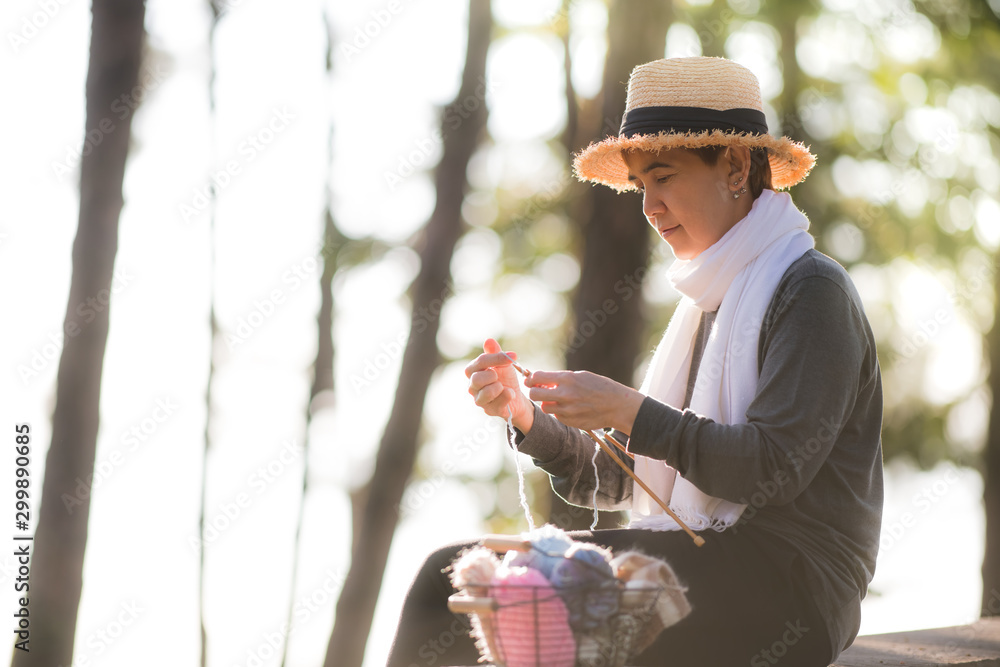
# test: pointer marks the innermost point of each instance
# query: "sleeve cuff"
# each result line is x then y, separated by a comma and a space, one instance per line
542, 441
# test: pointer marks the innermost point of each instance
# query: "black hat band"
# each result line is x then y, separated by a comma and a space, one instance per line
653, 120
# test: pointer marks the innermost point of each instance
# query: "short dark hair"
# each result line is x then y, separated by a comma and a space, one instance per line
760, 167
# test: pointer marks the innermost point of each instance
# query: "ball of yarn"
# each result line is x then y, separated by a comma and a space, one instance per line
550, 540
587, 585
548, 545
473, 570
532, 624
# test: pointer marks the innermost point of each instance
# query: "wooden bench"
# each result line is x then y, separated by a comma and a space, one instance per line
977, 644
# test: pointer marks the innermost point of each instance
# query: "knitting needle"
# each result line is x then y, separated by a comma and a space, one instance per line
526, 373
698, 539
518, 367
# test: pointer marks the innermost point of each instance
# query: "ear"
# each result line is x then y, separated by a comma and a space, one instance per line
737, 162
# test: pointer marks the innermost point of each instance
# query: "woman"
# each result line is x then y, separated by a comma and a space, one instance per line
760, 415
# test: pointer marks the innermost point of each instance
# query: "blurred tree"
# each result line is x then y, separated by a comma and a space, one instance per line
56, 579
321, 391
608, 332
991, 475
216, 7
971, 39
712, 25
463, 124
925, 121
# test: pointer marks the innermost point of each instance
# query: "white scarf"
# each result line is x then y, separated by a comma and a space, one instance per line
737, 275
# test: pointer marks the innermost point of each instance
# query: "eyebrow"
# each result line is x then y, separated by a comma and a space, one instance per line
651, 167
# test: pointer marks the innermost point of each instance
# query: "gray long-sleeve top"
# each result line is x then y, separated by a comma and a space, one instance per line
808, 462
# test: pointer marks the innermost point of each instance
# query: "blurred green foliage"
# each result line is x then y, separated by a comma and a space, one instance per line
898, 100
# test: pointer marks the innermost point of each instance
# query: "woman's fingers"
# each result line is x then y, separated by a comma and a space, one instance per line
549, 385
481, 379
487, 360
574, 397
542, 378
487, 393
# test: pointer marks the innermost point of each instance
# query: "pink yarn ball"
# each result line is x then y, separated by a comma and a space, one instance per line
532, 624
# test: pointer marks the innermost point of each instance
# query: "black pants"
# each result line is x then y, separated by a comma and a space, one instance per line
748, 606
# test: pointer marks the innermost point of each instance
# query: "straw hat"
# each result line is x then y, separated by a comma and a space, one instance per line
691, 103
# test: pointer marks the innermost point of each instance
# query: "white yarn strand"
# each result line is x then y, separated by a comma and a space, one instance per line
520, 471
597, 482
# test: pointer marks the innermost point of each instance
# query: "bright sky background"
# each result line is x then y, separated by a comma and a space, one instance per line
141, 566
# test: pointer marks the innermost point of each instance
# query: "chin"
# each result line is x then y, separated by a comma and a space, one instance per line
682, 252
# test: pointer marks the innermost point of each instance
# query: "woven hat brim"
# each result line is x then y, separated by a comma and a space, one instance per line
602, 162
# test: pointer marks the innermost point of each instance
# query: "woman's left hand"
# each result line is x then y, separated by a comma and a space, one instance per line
585, 400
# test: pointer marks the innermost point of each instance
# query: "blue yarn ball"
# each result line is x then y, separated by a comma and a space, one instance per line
548, 546
587, 584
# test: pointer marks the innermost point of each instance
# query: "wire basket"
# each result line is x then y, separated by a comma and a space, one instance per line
520, 625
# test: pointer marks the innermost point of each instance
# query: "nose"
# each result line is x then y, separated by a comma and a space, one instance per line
651, 206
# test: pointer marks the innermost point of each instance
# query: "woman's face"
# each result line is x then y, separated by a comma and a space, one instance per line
689, 203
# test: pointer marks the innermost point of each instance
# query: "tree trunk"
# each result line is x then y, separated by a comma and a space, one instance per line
462, 125
572, 129
607, 308
991, 475
808, 196
989, 62
213, 332
56, 577
323, 364
713, 29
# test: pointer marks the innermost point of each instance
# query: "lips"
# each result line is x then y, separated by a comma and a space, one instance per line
667, 232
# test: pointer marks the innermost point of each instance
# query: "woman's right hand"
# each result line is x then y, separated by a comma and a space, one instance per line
495, 386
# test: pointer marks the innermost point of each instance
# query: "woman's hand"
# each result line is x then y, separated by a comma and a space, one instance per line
585, 400
494, 385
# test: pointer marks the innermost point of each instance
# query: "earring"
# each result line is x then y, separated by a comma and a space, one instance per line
742, 191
